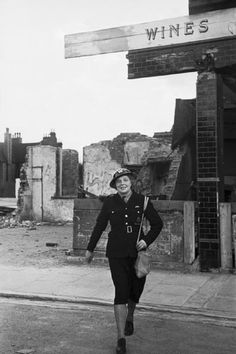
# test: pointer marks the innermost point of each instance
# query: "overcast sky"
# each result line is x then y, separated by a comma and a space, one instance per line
84, 100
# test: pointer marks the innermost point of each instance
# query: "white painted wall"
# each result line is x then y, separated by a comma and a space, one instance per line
134, 151
41, 175
98, 169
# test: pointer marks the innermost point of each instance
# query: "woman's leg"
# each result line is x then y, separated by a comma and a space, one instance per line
131, 308
120, 275
129, 324
136, 289
120, 311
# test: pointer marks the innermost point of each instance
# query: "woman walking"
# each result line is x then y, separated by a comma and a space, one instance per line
124, 212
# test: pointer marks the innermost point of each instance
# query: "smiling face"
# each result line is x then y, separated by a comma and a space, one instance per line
123, 185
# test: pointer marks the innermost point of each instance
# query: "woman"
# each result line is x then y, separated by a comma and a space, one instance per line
124, 211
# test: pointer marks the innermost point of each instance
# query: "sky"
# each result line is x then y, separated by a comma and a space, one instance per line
84, 100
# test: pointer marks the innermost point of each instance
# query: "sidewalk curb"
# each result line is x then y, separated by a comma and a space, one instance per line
165, 311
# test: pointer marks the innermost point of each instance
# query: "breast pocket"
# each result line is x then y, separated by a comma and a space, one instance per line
115, 217
137, 215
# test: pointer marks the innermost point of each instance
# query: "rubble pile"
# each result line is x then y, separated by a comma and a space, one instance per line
12, 220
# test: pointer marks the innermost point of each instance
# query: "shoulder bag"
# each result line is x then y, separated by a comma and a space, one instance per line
143, 262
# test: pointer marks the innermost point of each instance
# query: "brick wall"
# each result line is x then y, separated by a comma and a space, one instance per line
181, 59
70, 173
151, 159
167, 250
209, 59
209, 162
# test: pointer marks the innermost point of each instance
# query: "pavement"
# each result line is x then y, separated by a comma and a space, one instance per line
208, 297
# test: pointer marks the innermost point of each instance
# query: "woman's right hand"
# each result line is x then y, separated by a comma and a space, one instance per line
88, 256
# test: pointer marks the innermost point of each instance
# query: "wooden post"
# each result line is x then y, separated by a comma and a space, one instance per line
189, 233
234, 237
76, 228
225, 236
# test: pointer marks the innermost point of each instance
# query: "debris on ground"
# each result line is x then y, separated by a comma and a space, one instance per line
12, 219
51, 244
25, 351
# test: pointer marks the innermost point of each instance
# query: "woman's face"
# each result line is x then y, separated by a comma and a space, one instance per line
123, 185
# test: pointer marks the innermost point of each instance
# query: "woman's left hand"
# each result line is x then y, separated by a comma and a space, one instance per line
140, 245
88, 256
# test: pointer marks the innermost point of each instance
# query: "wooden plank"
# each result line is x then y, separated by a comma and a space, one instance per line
234, 237
226, 236
189, 232
174, 31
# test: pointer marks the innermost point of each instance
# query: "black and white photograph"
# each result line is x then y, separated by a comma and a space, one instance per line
117, 177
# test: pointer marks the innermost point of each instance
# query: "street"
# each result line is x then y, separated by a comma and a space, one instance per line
60, 328
57, 327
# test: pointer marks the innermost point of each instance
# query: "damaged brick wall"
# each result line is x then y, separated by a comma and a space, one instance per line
151, 158
156, 165
7, 167
40, 197
98, 168
100, 160
167, 250
180, 59
70, 172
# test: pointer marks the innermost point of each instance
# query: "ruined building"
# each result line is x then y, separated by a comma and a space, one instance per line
162, 167
207, 141
165, 163
47, 173
12, 156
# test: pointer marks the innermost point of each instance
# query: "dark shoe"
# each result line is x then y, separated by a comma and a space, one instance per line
121, 346
129, 328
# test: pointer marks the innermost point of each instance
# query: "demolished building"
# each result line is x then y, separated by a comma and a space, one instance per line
150, 158
163, 164
48, 175
12, 156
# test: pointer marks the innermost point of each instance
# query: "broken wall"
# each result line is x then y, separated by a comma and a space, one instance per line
7, 167
168, 250
70, 172
42, 193
151, 159
98, 168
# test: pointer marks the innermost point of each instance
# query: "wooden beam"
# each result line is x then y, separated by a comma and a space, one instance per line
174, 31
226, 236
189, 232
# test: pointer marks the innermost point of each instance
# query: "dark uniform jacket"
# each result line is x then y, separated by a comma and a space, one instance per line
125, 219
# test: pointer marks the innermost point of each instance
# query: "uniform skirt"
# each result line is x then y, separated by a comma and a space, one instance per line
127, 285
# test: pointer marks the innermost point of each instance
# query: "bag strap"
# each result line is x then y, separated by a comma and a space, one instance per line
145, 203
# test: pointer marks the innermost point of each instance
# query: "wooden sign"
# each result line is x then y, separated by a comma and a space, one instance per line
173, 31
